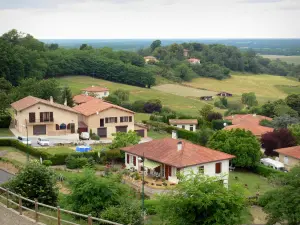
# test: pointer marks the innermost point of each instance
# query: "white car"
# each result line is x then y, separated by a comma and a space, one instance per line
84, 136
24, 140
43, 142
276, 165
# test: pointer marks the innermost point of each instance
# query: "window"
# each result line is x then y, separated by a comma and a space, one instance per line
286, 160
105, 93
191, 127
127, 159
125, 119
31, 117
218, 168
201, 169
63, 126
111, 119
183, 126
46, 116
134, 160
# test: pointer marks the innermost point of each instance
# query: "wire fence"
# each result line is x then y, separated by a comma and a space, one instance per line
45, 213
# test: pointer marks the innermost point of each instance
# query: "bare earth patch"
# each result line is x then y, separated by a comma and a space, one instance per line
259, 216
8, 167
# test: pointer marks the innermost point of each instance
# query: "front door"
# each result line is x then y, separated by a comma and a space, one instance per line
101, 122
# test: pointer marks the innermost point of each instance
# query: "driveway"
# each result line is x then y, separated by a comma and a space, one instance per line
5, 176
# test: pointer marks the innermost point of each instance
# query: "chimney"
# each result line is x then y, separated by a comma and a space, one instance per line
174, 134
66, 102
51, 99
179, 146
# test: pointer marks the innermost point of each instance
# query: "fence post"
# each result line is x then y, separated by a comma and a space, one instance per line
90, 220
7, 197
36, 210
58, 215
20, 205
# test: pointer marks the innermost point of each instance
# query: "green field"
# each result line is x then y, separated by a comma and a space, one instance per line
139, 117
4, 132
182, 104
264, 86
58, 149
289, 59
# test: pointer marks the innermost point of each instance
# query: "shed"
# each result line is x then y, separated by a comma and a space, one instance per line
206, 98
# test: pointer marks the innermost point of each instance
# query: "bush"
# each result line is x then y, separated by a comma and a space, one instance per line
219, 124
114, 155
150, 206
153, 105
73, 162
47, 162
5, 120
138, 106
214, 116
264, 170
95, 137
266, 123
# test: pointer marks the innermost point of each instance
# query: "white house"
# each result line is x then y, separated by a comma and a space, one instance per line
96, 91
187, 124
194, 61
166, 157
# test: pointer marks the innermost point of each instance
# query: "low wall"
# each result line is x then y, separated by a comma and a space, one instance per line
9, 216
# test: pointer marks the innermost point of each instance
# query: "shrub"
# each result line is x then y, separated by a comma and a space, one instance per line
47, 162
264, 170
153, 105
219, 124
73, 162
114, 154
95, 137
150, 206
138, 106
266, 123
214, 116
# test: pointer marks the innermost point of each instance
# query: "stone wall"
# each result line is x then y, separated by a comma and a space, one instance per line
9, 216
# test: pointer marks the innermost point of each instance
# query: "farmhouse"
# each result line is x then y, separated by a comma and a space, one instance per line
224, 94
166, 157
96, 91
105, 119
251, 118
83, 98
290, 157
42, 117
206, 98
194, 61
187, 124
256, 129
150, 59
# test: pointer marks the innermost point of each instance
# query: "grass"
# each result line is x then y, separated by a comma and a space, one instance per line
264, 86
182, 104
139, 117
57, 149
289, 89
5, 132
15, 155
255, 182
158, 135
289, 59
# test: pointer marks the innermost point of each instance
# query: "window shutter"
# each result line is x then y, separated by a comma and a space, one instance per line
218, 167
127, 159
31, 117
134, 160
51, 116
116, 119
68, 126
41, 117
57, 127
130, 118
106, 120
121, 119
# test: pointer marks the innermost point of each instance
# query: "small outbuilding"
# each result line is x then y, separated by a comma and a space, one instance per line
224, 94
206, 98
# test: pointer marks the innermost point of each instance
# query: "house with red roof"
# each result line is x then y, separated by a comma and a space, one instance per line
83, 98
187, 124
290, 156
96, 91
194, 61
164, 158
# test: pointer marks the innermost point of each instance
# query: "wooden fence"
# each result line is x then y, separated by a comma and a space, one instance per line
7, 196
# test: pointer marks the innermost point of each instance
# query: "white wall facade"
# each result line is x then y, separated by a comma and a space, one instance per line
101, 94
130, 164
189, 127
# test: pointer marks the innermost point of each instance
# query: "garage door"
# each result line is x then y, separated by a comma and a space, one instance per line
121, 129
141, 133
102, 132
39, 129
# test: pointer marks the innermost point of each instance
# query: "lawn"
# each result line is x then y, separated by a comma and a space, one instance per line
139, 117
158, 135
4, 132
264, 86
255, 182
57, 149
289, 89
14, 155
289, 59
182, 104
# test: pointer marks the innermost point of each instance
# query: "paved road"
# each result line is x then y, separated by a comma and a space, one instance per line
5, 176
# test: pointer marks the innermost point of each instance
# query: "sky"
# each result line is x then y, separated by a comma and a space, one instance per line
121, 19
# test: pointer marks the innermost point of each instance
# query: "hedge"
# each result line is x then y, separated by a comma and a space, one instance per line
5, 121
265, 171
56, 159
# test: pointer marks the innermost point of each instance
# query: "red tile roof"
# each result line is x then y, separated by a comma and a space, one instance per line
183, 121
165, 151
257, 130
240, 118
95, 89
79, 99
96, 105
29, 101
291, 151
193, 60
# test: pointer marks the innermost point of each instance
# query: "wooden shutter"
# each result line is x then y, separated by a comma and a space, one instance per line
57, 127
130, 118
127, 159
121, 119
51, 116
218, 167
116, 119
31, 117
134, 160
41, 117
106, 120
69, 126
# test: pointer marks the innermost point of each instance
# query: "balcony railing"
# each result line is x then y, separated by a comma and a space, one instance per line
41, 121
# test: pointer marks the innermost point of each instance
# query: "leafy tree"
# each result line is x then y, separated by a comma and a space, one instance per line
123, 139
123, 95
214, 116
293, 101
114, 99
153, 105
280, 110
85, 47
155, 44
203, 135
249, 99
284, 121
207, 109
199, 199
184, 72
280, 138
67, 95
4, 102
5, 86
295, 130
52, 46
138, 106
243, 144
36, 181
282, 203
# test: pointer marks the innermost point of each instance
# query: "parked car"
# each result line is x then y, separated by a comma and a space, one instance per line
84, 136
43, 142
273, 163
24, 140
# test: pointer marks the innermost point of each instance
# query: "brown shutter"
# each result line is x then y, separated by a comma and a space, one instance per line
68, 126
57, 127
121, 119
130, 118
116, 119
106, 120
51, 116
134, 160
218, 167
41, 117
127, 159
31, 117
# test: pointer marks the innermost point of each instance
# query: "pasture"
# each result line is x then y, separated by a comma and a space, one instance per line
189, 106
289, 59
264, 86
